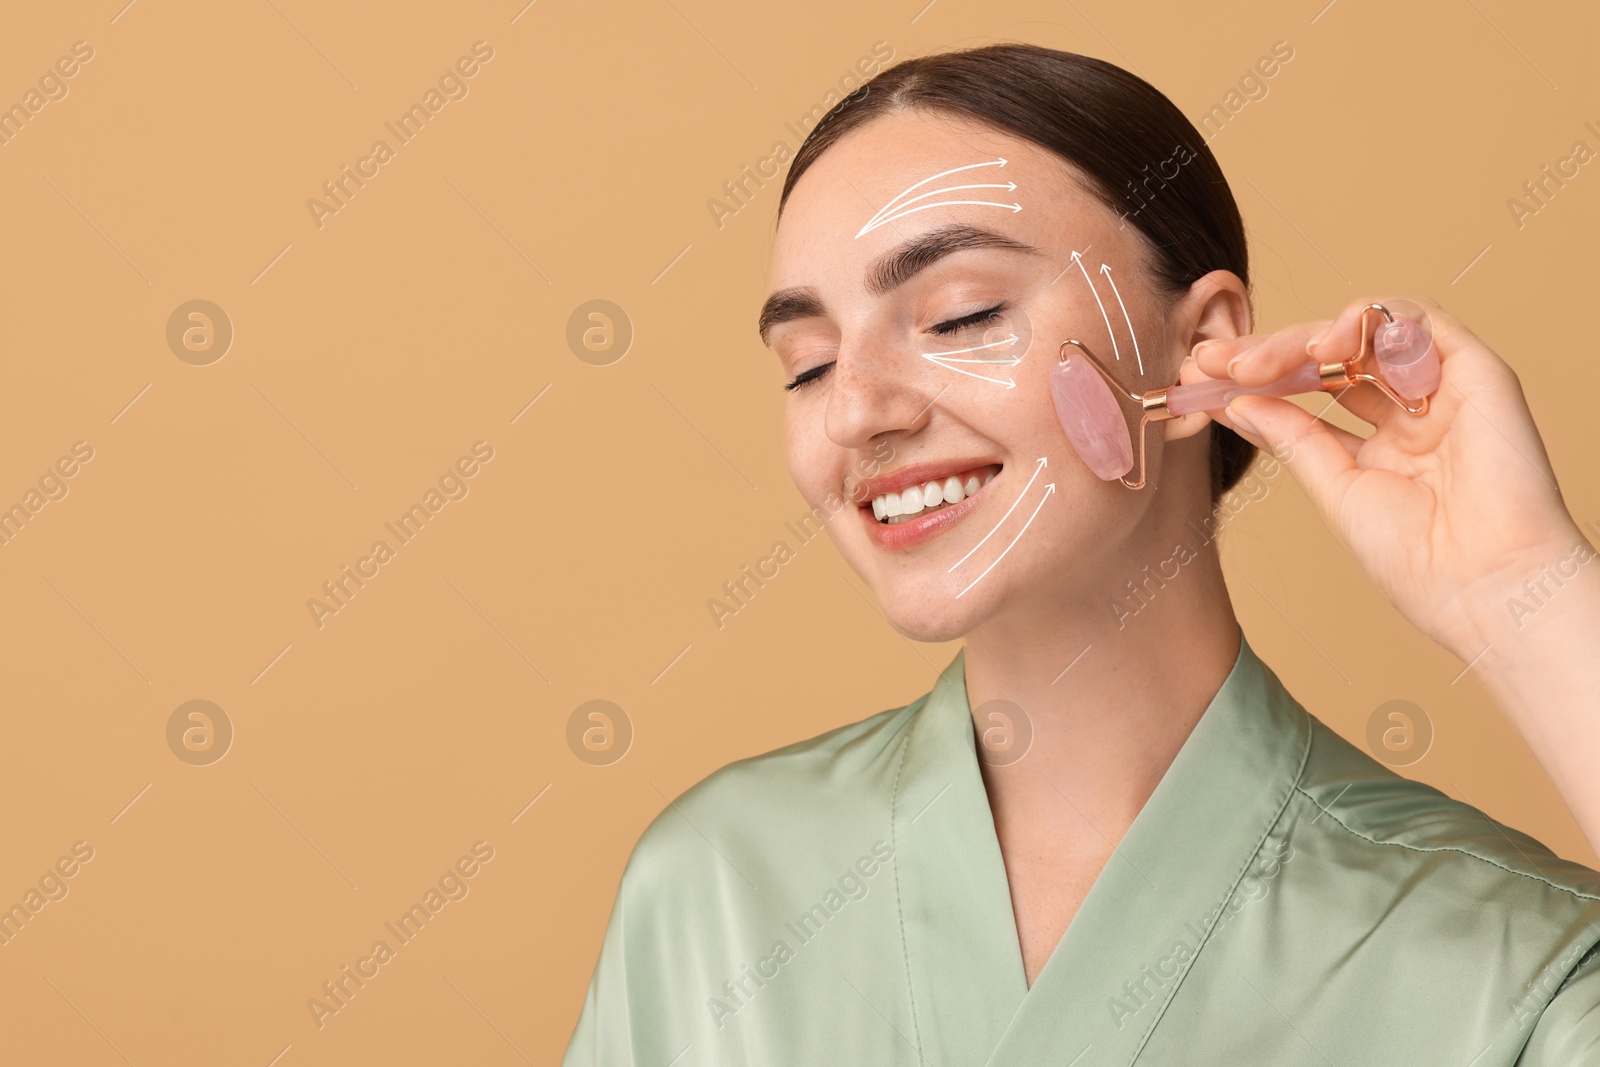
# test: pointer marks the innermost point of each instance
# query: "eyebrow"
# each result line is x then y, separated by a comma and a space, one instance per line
890, 270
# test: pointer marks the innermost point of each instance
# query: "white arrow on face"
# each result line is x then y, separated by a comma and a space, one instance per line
1078, 259
979, 348
1013, 208
890, 206
1107, 272
1043, 463
945, 359
1011, 186
1006, 382
1049, 491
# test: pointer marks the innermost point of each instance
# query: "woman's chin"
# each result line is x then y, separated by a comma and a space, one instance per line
933, 616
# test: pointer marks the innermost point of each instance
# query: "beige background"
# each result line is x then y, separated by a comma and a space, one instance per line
369, 354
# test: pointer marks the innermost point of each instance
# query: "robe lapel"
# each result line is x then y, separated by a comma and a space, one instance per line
1144, 920
963, 962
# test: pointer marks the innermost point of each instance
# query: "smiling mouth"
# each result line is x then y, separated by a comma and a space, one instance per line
917, 501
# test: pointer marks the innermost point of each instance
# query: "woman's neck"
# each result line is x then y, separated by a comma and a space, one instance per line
1110, 695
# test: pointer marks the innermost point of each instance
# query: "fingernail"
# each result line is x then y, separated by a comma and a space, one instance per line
1234, 362
1318, 339
1241, 423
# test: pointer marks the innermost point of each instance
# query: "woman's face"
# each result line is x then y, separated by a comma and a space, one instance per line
919, 339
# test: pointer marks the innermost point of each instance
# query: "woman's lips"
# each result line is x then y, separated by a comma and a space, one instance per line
929, 523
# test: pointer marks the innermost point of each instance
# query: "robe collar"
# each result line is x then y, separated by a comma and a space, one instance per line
1166, 882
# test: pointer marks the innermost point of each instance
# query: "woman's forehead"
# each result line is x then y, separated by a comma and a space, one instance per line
908, 171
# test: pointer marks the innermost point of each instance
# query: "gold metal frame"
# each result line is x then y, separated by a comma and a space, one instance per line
1336, 376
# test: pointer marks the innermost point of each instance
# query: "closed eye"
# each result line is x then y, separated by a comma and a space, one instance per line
805, 378
950, 326
977, 318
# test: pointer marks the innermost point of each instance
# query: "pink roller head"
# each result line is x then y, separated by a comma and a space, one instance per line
1406, 357
1091, 418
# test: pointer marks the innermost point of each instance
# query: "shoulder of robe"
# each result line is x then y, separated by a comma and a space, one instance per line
764, 816
1568, 1031
1374, 809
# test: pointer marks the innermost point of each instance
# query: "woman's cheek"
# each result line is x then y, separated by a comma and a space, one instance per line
808, 452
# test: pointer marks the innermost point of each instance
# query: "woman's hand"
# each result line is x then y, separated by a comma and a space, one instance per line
1456, 516
1450, 513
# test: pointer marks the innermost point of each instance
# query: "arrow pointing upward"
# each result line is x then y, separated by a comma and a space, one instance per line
1049, 491
1078, 259
1107, 272
1043, 463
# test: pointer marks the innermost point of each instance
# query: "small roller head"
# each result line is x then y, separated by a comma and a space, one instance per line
1406, 357
1089, 415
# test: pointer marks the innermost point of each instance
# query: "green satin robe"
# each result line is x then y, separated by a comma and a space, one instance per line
1281, 899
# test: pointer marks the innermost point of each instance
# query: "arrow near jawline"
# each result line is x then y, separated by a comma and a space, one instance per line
1049, 491
1043, 463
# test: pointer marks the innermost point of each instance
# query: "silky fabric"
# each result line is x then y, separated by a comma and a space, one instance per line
1282, 898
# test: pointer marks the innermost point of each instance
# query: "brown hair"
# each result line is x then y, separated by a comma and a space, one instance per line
1117, 129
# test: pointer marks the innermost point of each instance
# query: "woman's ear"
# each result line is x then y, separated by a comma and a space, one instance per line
1216, 306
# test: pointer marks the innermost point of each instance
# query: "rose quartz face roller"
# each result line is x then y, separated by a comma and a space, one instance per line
1086, 394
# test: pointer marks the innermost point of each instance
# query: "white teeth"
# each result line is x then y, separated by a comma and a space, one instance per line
894, 508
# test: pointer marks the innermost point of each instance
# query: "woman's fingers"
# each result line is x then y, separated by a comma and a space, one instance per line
1343, 336
1321, 456
1190, 374
1261, 358
1258, 360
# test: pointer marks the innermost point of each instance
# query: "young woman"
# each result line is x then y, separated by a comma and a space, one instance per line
1183, 866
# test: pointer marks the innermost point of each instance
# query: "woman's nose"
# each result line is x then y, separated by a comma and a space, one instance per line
877, 389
